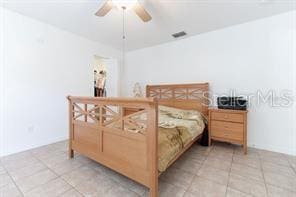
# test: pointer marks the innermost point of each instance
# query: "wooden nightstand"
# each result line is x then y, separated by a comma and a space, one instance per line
228, 126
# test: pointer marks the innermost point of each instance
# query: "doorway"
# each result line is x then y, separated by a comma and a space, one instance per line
106, 77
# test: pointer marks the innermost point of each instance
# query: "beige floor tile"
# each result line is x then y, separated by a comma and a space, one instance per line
2, 169
266, 153
102, 169
187, 165
10, 190
275, 168
292, 160
168, 190
16, 164
44, 151
221, 155
188, 194
55, 158
62, 146
279, 192
53, 188
293, 165
247, 172
28, 170
16, 157
71, 193
79, 175
248, 186
279, 159
205, 188
65, 166
252, 152
177, 177
96, 186
225, 148
93, 179
5, 180
201, 150
214, 174
218, 163
196, 157
27, 183
128, 183
120, 191
235, 193
223, 145
280, 180
253, 162
84, 160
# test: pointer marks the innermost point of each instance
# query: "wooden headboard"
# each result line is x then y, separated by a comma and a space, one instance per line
183, 96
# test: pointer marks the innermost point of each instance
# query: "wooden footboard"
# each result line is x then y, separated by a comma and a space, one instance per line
127, 144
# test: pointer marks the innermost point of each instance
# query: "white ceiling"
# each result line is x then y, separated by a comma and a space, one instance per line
168, 16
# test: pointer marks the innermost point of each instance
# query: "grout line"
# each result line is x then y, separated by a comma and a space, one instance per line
186, 189
58, 176
262, 171
46, 168
290, 163
229, 174
66, 191
203, 162
7, 172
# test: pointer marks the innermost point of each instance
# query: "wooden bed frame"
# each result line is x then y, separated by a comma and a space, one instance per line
133, 154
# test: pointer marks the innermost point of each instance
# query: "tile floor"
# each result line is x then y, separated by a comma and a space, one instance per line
220, 170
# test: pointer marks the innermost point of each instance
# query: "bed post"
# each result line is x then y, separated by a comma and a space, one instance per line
71, 152
153, 149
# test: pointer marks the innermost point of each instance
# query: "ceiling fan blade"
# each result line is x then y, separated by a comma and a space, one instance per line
141, 12
105, 8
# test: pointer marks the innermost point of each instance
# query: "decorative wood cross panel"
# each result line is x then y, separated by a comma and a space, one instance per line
84, 112
111, 116
177, 93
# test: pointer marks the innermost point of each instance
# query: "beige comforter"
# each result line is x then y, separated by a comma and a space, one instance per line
176, 129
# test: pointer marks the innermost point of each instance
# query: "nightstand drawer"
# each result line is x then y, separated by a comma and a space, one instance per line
231, 117
234, 131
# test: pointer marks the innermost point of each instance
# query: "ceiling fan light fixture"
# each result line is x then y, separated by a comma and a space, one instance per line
126, 4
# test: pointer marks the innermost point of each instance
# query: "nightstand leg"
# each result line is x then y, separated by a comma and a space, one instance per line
71, 154
245, 149
210, 141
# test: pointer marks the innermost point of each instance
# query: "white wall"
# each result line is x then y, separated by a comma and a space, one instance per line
251, 57
40, 66
112, 82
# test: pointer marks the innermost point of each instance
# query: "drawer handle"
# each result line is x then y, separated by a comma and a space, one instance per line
226, 127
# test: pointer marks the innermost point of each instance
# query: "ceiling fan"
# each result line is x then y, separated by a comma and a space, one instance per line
124, 4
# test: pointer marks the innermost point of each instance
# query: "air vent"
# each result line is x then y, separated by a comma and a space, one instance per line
179, 34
